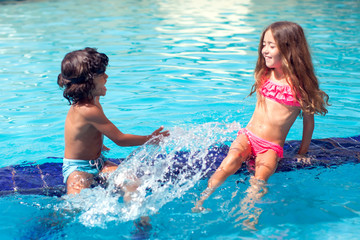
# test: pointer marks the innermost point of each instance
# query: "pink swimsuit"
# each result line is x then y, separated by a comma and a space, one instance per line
279, 93
259, 145
282, 94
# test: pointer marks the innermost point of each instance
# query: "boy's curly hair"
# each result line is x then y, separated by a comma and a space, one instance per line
78, 70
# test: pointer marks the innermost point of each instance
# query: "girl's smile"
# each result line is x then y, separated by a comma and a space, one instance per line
270, 51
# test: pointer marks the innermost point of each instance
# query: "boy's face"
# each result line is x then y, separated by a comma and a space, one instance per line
99, 81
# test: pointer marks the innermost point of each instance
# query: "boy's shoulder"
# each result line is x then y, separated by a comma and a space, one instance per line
87, 110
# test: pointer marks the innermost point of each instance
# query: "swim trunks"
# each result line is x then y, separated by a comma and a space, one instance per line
259, 145
279, 93
89, 166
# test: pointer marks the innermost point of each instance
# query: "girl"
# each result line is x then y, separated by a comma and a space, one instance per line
286, 85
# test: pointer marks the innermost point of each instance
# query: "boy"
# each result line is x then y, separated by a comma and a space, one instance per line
83, 78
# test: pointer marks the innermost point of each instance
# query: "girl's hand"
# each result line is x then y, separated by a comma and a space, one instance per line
303, 159
157, 135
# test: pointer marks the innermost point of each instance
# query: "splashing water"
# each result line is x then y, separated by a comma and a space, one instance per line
157, 173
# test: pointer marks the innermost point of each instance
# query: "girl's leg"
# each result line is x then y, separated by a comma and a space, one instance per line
239, 151
265, 165
248, 212
77, 181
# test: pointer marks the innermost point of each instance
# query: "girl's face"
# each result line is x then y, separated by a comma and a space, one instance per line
99, 81
270, 51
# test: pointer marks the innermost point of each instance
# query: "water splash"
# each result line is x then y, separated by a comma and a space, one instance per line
154, 175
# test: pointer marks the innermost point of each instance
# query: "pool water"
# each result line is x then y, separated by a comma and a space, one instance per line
187, 65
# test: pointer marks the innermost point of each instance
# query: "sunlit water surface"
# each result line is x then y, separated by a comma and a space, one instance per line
187, 65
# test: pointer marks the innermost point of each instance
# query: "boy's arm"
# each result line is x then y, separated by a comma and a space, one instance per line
98, 119
308, 129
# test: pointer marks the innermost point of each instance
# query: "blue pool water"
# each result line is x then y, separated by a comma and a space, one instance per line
187, 65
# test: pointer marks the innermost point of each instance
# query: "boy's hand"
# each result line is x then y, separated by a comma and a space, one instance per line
105, 148
158, 134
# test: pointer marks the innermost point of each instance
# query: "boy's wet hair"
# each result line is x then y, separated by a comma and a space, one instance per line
78, 70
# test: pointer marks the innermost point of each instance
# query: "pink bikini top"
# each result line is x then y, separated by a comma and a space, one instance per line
279, 93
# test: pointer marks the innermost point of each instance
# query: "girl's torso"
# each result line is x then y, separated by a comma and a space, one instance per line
276, 111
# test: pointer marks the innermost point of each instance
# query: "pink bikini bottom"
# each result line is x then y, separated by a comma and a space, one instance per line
259, 145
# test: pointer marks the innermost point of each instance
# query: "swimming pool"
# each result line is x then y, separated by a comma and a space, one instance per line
186, 65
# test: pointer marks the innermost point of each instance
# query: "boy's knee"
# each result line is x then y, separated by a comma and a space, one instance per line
109, 167
78, 181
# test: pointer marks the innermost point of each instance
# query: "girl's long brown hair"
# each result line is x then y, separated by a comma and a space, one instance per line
296, 65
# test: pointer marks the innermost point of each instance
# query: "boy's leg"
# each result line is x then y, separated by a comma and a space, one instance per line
128, 188
239, 151
77, 181
109, 167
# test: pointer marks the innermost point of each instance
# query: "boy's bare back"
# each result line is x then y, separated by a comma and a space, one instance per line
82, 139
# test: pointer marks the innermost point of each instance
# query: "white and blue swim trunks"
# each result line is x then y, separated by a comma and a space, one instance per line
89, 166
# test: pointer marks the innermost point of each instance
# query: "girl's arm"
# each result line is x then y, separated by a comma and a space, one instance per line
308, 129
